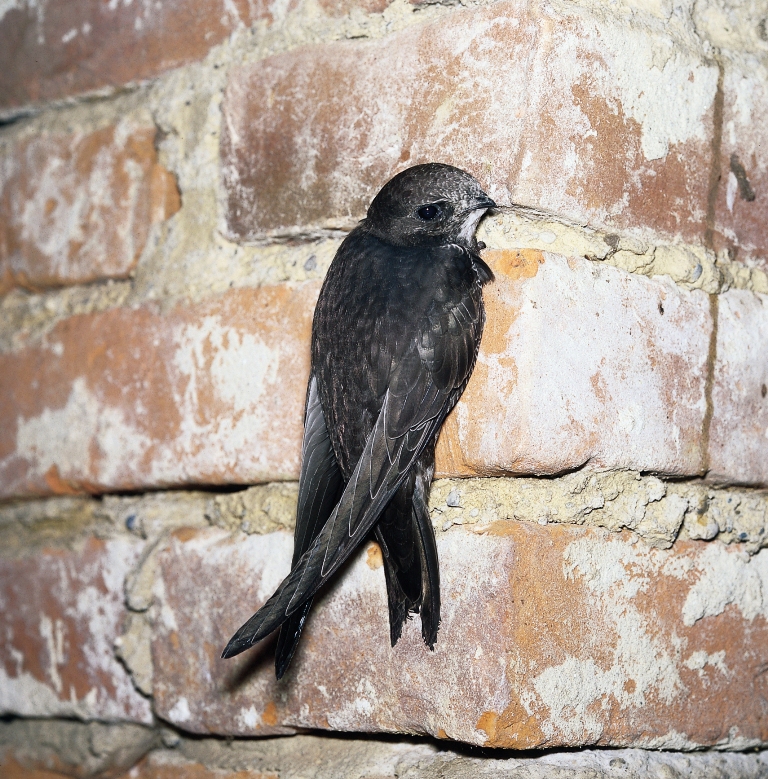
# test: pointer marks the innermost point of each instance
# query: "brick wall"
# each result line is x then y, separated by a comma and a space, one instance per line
174, 181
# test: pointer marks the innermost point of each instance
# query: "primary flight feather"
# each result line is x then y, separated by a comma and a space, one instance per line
395, 337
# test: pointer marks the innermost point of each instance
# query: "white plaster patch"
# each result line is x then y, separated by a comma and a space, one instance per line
10, 5
727, 577
53, 631
731, 190
180, 712
249, 718
73, 219
240, 368
667, 92
738, 444
229, 375
89, 595
699, 660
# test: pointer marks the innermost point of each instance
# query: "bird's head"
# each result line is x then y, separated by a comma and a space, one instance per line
428, 205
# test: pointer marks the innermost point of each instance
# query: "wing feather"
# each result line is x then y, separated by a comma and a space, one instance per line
351, 520
319, 488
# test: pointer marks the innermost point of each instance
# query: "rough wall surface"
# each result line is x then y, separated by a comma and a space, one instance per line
175, 179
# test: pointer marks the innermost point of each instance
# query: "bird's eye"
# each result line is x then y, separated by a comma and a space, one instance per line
428, 213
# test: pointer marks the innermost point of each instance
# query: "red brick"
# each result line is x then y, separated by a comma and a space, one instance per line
51, 49
738, 438
60, 613
551, 636
578, 365
564, 113
78, 207
211, 393
742, 202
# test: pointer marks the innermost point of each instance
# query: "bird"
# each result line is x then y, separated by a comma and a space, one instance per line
395, 337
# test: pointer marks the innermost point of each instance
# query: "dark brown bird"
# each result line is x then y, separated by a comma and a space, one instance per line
395, 337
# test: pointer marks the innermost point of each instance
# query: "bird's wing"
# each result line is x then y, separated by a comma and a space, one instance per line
320, 486
425, 380
381, 468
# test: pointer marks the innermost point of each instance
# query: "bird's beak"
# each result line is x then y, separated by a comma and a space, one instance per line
483, 202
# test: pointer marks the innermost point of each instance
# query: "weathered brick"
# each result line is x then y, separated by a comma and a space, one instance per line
580, 364
172, 767
562, 112
738, 437
209, 393
78, 207
550, 636
742, 202
60, 613
51, 49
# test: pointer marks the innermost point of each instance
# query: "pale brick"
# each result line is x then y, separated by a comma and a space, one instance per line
582, 364
211, 393
550, 636
738, 437
742, 202
78, 207
569, 114
51, 49
60, 613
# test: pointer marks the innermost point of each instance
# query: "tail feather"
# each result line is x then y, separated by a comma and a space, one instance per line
430, 570
288, 638
399, 604
410, 556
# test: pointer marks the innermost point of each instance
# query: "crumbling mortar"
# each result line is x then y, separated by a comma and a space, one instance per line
689, 266
656, 510
168, 273
91, 750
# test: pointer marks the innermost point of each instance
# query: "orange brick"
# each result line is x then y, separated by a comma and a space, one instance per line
78, 207
60, 613
553, 111
50, 49
551, 636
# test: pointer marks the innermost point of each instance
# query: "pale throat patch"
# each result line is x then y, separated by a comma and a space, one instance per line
470, 224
